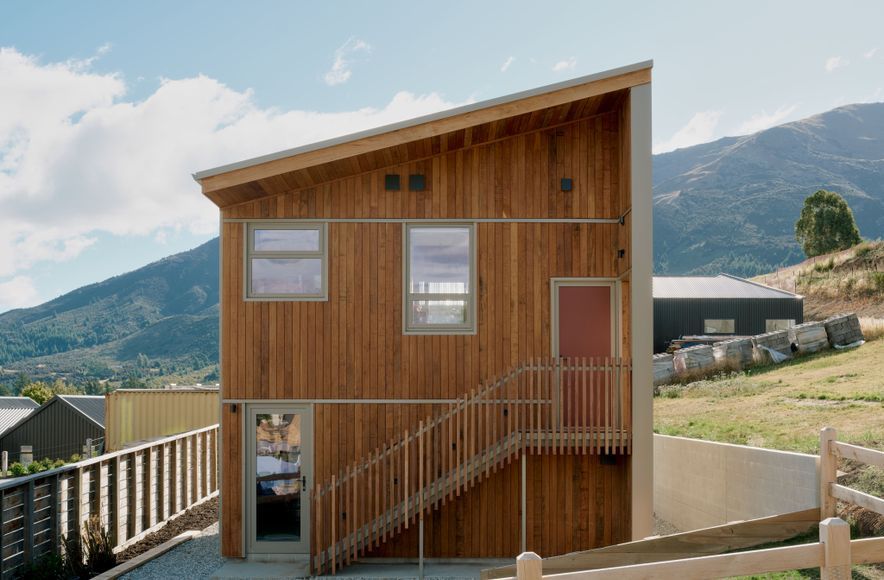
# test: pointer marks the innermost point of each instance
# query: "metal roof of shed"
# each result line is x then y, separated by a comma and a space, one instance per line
721, 286
14, 409
91, 406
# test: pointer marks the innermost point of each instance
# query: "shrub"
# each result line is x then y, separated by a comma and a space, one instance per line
75, 458
99, 550
36, 467
17, 469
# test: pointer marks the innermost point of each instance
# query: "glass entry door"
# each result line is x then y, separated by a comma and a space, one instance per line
279, 479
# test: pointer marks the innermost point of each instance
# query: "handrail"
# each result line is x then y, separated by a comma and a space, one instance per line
15, 481
559, 405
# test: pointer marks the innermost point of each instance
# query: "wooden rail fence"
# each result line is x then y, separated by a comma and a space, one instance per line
134, 491
834, 554
560, 405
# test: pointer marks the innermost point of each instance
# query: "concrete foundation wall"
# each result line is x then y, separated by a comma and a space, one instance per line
699, 484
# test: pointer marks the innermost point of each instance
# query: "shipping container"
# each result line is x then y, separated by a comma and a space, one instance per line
137, 415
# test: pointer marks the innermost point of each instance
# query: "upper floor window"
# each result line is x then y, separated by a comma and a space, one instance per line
286, 261
440, 272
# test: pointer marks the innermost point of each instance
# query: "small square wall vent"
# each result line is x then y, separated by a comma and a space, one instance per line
567, 184
391, 182
417, 182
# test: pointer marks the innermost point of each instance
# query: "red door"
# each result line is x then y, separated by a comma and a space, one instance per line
584, 330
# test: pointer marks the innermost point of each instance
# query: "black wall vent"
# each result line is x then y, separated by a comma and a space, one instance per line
417, 182
391, 182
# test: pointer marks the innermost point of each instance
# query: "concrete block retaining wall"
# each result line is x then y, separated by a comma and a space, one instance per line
698, 484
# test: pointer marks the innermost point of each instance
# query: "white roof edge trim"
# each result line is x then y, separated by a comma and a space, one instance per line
200, 175
760, 285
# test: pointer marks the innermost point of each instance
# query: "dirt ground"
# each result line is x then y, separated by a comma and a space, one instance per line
198, 518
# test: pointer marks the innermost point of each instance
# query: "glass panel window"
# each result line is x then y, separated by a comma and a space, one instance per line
278, 478
280, 240
772, 325
286, 261
440, 266
718, 326
286, 276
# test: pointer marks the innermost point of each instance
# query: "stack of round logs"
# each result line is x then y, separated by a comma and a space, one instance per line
664, 371
810, 337
734, 354
777, 340
694, 359
843, 329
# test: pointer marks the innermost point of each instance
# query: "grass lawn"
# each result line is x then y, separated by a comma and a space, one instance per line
784, 407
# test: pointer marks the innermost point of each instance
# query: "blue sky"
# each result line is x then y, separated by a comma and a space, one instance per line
107, 107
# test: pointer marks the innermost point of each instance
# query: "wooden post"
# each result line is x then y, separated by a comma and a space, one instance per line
529, 566
5, 463
835, 537
828, 473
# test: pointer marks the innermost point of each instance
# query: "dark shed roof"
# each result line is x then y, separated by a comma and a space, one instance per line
89, 405
721, 286
14, 409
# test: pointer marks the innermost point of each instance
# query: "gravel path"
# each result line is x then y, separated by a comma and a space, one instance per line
197, 558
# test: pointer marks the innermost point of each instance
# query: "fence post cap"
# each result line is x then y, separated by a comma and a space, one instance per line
827, 430
834, 522
524, 556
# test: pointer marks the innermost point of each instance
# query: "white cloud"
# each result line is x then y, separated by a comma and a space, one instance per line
507, 63
700, 129
18, 292
340, 71
77, 158
566, 64
763, 120
835, 62
870, 53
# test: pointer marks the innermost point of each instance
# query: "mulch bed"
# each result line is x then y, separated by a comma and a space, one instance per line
198, 518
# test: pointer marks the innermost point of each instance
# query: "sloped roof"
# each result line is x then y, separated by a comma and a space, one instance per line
90, 406
721, 286
14, 409
263, 176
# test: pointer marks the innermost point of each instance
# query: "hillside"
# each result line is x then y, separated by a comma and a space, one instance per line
848, 281
163, 316
731, 205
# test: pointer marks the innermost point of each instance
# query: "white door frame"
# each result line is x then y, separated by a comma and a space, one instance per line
307, 470
612, 283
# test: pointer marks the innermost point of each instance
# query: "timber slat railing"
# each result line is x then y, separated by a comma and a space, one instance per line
134, 491
559, 405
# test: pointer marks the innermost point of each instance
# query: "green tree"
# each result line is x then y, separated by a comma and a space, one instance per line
826, 224
38, 391
21, 381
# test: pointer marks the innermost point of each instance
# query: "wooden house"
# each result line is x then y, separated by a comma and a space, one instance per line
430, 333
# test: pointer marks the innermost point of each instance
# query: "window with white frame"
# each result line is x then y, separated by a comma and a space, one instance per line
286, 261
772, 324
718, 326
440, 274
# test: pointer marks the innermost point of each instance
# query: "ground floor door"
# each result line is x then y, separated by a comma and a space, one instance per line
279, 474
584, 325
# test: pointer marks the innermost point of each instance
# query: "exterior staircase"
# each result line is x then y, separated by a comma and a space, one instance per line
556, 406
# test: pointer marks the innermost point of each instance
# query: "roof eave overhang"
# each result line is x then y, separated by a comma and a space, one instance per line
231, 175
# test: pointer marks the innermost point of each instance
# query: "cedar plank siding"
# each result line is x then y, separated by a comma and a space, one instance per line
353, 347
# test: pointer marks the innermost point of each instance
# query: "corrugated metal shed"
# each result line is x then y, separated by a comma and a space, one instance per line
135, 415
682, 304
14, 409
58, 429
91, 406
721, 286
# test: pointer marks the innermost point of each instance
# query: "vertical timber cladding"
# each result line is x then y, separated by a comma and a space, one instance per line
352, 346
